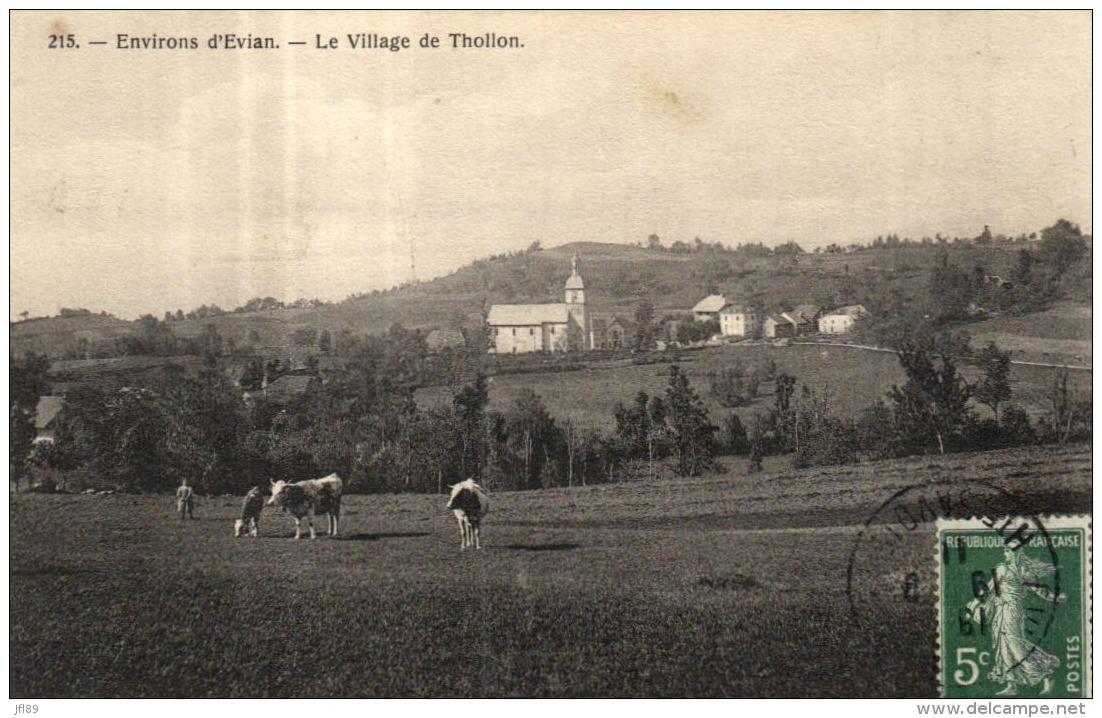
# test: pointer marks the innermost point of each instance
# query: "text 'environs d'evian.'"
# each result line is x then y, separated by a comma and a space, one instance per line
321, 41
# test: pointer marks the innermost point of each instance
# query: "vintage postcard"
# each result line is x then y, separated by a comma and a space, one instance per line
463, 354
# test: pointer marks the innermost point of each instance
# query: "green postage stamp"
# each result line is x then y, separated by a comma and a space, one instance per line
1014, 607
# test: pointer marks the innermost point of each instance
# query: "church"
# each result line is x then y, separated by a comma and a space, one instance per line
522, 328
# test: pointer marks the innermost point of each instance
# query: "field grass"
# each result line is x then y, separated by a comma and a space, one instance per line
853, 378
723, 586
1061, 334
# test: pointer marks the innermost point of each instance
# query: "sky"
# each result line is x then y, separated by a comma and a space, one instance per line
145, 181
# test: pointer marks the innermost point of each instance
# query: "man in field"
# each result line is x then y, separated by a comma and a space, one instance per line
185, 501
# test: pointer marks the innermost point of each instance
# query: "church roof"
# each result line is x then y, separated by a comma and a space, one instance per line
521, 315
574, 281
711, 303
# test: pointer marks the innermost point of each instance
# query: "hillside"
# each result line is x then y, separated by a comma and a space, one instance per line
617, 277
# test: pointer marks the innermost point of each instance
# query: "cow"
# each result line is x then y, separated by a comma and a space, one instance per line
250, 514
185, 501
469, 503
306, 498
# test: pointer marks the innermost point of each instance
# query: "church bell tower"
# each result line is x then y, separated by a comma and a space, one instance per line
578, 330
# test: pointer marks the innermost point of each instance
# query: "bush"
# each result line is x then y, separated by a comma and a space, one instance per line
732, 387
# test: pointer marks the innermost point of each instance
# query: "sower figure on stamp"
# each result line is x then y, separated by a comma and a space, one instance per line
1017, 661
185, 501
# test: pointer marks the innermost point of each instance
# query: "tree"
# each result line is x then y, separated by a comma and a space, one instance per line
1069, 414
994, 388
691, 430
304, 336
731, 387
210, 341
1062, 245
733, 435
27, 381
470, 411
950, 292
325, 342
933, 403
532, 436
644, 325
654, 242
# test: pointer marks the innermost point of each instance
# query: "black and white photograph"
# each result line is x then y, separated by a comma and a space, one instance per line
550, 354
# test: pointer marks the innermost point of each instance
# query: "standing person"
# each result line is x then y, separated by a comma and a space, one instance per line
185, 501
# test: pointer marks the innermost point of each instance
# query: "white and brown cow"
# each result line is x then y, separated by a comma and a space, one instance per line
469, 503
250, 514
306, 498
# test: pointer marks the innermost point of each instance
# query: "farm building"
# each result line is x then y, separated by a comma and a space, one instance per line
777, 326
523, 328
440, 339
805, 318
737, 320
842, 319
45, 418
608, 331
708, 308
797, 322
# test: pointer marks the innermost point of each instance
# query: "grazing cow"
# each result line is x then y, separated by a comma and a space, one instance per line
250, 514
469, 503
185, 501
306, 498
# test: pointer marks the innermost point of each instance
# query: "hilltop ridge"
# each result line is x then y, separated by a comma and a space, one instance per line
617, 277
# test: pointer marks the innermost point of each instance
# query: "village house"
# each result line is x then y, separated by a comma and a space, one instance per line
798, 322
523, 328
608, 331
805, 318
777, 326
842, 319
708, 308
738, 320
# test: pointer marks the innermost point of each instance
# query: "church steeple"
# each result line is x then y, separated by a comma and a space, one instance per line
575, 287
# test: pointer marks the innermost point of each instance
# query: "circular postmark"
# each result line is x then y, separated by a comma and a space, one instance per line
893, 569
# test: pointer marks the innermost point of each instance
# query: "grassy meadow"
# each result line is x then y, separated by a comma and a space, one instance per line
729, 585
853, 378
